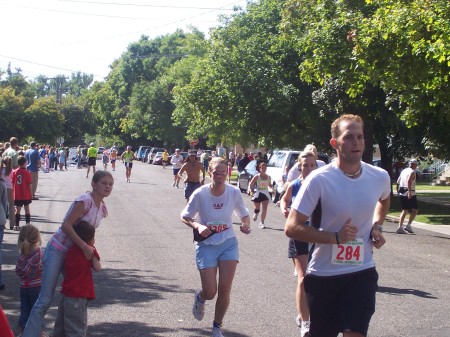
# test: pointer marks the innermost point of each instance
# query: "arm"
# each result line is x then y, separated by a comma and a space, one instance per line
296, 228
251, 186
381, 210
245, 225
202, 229
203, 173
411, 178
67, 226
96, 261
180, 173
286, 200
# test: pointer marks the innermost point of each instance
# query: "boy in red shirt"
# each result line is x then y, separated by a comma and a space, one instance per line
22, 183
77, 287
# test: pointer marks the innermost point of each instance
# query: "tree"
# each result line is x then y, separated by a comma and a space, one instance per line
11, 114
346, 42
247, 88
43, 120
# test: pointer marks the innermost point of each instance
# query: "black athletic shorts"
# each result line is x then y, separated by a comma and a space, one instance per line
339, 303
129, 164
406, 203
297, 248
92, 161
21, 203
259, 197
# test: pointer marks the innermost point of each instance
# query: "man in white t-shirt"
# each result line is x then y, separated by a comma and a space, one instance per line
177, 161
341, 280
406, 189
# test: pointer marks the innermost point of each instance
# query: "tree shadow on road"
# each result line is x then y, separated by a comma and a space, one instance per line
405, 291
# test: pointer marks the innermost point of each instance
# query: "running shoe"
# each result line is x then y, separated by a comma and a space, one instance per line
261, 225
409, 229
400, 230
198, 309
295, 272
216, 332
255, 216
304, 329
16, 228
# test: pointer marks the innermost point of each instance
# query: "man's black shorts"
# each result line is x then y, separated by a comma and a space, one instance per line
339, 303
406, 203
297, 248
92, 161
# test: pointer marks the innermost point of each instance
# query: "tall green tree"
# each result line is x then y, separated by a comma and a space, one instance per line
43, 120
247, 89
11, 114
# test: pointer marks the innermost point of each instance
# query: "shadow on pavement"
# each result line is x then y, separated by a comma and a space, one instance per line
405, 291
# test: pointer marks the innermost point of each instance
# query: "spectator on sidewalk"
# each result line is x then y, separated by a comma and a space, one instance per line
77, 288
33, 165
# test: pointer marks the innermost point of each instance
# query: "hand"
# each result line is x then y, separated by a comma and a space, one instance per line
347, 232
285, 212
378, 239
245, 228
204, 231
88, 251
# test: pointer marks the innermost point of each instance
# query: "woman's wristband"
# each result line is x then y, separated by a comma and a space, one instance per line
336, 235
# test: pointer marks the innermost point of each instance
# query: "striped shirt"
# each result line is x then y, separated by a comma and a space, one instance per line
29, 269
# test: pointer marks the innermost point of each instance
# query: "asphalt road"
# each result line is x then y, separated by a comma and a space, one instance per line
149, 274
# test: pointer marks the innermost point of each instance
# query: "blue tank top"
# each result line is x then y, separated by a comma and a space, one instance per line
296, 187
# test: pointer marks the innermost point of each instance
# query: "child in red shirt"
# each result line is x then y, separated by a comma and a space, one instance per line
22, 185
77, 287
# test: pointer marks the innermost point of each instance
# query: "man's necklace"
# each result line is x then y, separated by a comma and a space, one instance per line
354, 174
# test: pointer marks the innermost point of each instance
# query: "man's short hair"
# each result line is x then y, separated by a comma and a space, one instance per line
335, 126
21, 160
33, 144
14, 141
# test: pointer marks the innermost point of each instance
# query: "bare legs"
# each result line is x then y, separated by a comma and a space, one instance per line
210, 286
301, 261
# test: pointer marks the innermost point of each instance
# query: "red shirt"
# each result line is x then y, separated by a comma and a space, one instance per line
21, 179
78, 282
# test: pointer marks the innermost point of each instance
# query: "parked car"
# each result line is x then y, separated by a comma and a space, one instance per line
100, 150
141, 152
275, 168
151, 153
246, 175
72, 159
157, 159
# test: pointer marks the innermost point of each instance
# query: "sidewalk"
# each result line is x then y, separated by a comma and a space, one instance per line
442, 229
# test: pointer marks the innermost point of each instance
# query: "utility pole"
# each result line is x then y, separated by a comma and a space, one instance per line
59, 82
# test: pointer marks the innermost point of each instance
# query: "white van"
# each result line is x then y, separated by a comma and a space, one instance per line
278, 160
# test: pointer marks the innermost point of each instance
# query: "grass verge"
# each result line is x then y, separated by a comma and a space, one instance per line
428, 212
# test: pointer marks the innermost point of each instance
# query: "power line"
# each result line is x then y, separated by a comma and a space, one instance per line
146, 5
43, 65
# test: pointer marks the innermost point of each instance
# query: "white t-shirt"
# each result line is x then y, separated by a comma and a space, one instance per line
341, 198
403, 181
176, 161
216, 210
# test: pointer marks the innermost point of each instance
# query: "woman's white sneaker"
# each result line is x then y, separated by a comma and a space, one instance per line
198, 309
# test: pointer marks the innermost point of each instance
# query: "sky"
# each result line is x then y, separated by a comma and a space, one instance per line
55, 37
